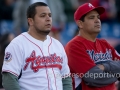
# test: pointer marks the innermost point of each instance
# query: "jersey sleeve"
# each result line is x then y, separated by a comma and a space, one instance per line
65, 71
115, 54
13, 59
78, 59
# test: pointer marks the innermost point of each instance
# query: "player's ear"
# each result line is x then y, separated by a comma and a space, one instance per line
79, 23
30, 21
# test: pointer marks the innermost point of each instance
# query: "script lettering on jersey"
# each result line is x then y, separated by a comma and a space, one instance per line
38, 62
99, 57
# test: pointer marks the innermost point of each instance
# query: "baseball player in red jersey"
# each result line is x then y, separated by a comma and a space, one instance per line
94, 64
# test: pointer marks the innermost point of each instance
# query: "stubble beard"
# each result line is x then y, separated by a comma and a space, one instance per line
43, 32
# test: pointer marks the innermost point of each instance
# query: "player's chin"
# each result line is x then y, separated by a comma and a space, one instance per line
46, 32
97, 31
48, 29
97, 28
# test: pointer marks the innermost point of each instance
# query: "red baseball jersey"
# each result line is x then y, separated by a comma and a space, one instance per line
84, 54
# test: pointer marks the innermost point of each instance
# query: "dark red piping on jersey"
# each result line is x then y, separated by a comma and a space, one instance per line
43, 56
34, 43
49, 45
54, 78
10, 72
52, 68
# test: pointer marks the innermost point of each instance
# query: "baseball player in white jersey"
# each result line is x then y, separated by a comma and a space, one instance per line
34, 60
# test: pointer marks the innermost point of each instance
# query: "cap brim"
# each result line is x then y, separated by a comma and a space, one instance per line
100, 10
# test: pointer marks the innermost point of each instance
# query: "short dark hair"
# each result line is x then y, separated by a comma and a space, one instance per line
31, 11
83, 18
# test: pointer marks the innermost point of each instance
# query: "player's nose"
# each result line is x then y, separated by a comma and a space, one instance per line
48, 18
97, 20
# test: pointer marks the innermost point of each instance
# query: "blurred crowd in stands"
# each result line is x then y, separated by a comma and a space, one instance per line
13, 20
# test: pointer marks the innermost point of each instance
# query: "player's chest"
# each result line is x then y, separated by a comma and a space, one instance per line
42, 57
99, 54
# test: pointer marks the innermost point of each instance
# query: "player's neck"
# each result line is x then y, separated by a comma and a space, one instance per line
88, 36
37, 35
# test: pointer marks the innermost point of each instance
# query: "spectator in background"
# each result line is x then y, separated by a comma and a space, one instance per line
19, 16
6, 19
110, 15
117, 4
70, 28
58, 17
69, 9
4, 41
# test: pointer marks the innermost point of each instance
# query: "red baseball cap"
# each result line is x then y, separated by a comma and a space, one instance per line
85, 8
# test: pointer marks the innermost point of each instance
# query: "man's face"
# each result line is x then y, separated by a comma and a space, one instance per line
92, 23
42, 21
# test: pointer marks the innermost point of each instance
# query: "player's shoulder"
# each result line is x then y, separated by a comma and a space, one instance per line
55, 42
102, 40
16, 42
18, 39
77, 40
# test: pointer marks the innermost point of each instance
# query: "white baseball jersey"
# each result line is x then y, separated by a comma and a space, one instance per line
42, 62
